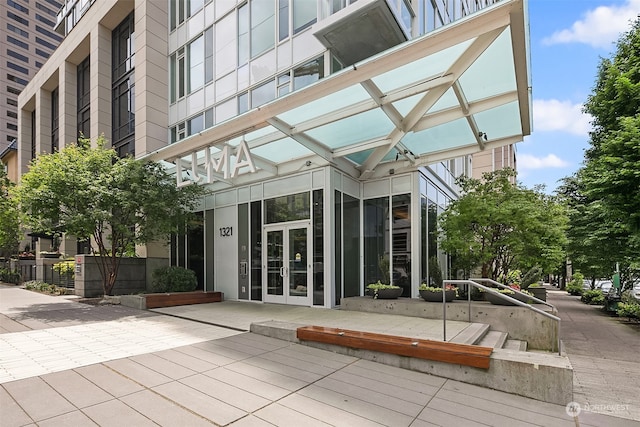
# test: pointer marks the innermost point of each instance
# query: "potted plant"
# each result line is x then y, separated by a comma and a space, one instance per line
538, 291
434, 294
381, 290
496, 300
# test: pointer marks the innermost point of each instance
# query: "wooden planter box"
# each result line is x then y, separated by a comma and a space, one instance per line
181, 298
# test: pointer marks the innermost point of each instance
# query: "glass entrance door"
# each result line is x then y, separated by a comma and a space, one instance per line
287, 264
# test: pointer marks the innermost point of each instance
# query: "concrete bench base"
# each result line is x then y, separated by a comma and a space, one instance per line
541, 376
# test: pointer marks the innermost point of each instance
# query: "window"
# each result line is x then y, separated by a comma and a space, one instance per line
13, 90
48, 33
17, 18
84, 106
243, 102
308, 73
12, 114
17, 68
256, 23
208, 55
11, 126
12, 102
177, 69
283, 19
243, 34
180, 10
44, 20
45, 9
262, 26
33, 134
123, 87
305, 14
17, 6
284, 84
293, 207
17, 56
17, 30
195, 125
45, 43
15, 79
42, 53
17, 42
263, 94
196, 64
55, 122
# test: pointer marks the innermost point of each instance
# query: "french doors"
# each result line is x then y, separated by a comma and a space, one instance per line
287, 264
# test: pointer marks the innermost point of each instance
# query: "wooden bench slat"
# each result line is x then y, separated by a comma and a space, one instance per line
461, 354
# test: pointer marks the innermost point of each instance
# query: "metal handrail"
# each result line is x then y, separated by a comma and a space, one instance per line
554, 310
503, 296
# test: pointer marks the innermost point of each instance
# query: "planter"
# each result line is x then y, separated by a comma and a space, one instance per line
50, 255
432, 296
496, 300
540, 293
385, 293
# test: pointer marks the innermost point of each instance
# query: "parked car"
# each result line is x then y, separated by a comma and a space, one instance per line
604, 285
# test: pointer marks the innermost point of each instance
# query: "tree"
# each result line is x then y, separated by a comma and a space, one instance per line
91, 193
9, 220
497, 225
604, 196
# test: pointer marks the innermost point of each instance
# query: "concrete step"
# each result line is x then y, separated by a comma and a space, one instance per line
493, 339
472, 334
517, 345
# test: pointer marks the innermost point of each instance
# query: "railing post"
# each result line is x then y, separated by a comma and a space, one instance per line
444, 312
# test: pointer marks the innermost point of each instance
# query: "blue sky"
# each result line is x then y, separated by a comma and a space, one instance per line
568, 38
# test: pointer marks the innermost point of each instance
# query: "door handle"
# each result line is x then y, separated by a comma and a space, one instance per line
281, 271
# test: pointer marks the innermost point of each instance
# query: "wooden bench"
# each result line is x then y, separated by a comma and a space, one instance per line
181, 298
459, 354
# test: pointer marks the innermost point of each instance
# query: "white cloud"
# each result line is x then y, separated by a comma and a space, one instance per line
530, 162
599, 27
563, 116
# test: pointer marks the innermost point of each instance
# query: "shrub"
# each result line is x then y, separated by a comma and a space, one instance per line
65, 267
574, 287
9, 276
593, 297
629, 310
174, 279
40, 286
531, 277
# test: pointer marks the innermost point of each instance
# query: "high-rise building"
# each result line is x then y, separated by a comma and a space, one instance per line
27, 39
329, 132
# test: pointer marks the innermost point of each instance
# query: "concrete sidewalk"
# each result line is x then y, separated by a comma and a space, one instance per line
224, 378
605, 354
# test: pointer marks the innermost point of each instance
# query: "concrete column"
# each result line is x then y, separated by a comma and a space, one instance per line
43, 121
68, 93
24, 140
151, 76
100, 82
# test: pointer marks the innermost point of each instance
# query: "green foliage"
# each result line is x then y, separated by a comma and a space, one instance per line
574, 287
629, 310
435, 272
9, 276
497, 224
592, 297
65, 267
40, 286
531, 277
379, 285
92, 193
9, 219
174, 279
603, 197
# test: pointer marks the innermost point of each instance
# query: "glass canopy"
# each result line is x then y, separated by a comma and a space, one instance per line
452, 92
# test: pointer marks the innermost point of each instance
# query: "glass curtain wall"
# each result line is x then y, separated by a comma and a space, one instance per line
401, 249
376, 241
435, 263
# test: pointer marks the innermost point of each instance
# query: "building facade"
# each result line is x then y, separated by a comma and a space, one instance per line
329, 133
26, 31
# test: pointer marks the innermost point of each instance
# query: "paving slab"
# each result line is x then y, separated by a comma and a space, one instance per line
201, 374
